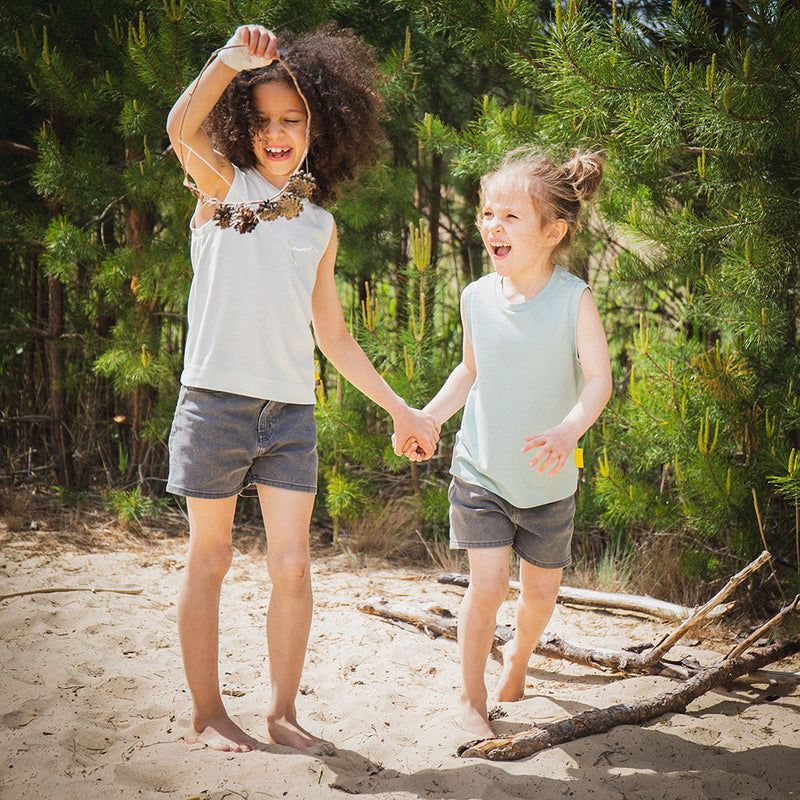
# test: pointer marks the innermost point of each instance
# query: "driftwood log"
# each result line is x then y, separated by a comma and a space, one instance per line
437, 621
608, 601
674, 700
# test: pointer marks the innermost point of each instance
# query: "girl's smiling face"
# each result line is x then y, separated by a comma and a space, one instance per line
514, 234
279, 144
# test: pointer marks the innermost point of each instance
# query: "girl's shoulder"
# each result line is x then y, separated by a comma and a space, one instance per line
485, 283
567, 278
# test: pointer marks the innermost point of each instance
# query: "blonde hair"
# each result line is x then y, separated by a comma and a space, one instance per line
558, 192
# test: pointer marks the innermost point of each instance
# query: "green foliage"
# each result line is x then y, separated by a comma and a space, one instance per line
435, 508
132, 507
692, 250
346, 497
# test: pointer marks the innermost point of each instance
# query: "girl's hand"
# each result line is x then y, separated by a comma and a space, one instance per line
251, 47
557, 445
416, 434
412, 450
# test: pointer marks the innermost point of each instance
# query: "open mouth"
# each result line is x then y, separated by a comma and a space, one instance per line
278, 153
499, 249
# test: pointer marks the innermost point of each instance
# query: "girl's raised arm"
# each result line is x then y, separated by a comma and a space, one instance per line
250, 47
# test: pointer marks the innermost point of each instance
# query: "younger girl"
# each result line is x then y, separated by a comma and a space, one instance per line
535, 374
263, 257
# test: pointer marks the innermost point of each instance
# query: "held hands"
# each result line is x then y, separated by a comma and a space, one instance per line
412, 450
557, 446
251, 47
416, 434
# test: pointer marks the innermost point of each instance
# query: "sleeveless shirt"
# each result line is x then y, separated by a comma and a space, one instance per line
528, 377
250, 301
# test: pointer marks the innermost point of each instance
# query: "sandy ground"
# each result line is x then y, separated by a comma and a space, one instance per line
94, 702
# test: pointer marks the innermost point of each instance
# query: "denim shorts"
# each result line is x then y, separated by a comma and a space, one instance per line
541, 535
221, 443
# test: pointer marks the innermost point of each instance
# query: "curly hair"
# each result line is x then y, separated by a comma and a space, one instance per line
338, 74
558, 191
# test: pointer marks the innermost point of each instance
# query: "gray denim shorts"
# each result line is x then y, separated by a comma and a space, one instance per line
221, 443
541, 535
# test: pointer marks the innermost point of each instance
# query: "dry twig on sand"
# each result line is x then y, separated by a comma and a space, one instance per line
52, 589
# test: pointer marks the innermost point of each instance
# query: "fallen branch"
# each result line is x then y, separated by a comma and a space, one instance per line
611, 601
432, 619
437, 621
92, 589
595, 721
655, 654
787, 611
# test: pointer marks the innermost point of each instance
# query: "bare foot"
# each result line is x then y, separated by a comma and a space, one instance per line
475, 721
285, 731
223, 734
512, 683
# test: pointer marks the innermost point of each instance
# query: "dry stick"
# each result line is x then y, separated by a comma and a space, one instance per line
654, 654
92, 589
764, 542
609, 601
674, 700
792, 608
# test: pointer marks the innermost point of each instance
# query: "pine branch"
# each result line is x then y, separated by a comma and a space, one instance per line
15, 149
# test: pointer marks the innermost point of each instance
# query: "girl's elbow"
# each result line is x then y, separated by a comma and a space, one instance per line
608, 389
173, 124
176, 123
332, 345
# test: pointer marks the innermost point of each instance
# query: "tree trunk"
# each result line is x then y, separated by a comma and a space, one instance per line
61, 448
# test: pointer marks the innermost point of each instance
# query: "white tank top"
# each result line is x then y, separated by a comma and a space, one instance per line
250, 301
528, 378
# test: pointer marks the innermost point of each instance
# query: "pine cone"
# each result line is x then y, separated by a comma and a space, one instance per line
302, 184
246, 220
289, 206
268, 211
223, 216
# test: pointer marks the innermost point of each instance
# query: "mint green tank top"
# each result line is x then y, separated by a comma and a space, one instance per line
528, 379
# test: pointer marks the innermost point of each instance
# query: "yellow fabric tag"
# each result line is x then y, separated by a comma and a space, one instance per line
579, 457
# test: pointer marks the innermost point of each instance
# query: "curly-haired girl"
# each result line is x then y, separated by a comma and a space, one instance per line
263, 257
535, 361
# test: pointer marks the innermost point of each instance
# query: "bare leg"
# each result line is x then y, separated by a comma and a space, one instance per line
477, 615
287, 516
210, 523
537, 599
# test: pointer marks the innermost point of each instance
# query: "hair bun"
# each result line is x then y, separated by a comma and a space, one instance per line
584, 171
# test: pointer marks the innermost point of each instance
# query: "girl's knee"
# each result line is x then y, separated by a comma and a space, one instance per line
489, 590
211, 560
539, 594
289, 569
